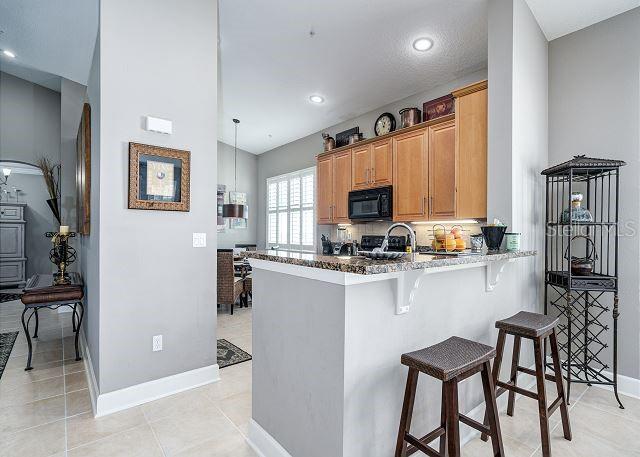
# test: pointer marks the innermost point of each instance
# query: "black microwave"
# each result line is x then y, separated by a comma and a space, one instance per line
371, 204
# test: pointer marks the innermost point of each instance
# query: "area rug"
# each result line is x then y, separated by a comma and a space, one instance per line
230, 354
6, 344
9, 297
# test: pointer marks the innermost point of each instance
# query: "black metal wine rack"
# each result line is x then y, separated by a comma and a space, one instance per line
585, 302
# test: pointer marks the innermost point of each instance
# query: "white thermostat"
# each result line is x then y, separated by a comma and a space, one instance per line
155, 124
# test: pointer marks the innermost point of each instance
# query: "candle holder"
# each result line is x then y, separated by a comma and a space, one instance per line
61, 255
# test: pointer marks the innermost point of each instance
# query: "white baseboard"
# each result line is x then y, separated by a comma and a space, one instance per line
626, 385
118, 400
263, 443
88, 369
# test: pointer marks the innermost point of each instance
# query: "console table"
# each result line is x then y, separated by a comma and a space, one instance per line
42, 292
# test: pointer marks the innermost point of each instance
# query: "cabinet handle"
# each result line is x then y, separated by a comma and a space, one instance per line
366, 175
373, 174
430, 206
422, 210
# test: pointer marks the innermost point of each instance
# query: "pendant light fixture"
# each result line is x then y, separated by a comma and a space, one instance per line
235, 210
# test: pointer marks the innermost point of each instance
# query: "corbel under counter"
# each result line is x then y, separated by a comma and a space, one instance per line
410, 270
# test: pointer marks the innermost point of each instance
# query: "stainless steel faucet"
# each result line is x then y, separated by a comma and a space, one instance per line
412, 236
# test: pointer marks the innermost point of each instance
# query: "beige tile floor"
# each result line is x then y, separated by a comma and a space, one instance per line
47, 411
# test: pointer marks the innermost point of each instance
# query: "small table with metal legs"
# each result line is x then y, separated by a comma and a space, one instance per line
41, 291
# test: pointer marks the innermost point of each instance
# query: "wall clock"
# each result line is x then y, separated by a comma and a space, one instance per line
386, 123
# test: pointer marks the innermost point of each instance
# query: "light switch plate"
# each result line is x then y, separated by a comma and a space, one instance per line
199, 240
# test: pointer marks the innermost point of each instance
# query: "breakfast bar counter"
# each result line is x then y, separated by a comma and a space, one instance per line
365, 266
328, 333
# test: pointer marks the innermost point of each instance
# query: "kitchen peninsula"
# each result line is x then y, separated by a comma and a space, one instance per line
328, 332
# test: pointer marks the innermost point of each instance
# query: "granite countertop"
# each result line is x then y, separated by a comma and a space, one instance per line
364, 266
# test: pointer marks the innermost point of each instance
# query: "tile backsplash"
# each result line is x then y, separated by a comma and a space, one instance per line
424, 232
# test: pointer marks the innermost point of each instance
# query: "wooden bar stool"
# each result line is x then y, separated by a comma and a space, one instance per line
536, 327
451, 361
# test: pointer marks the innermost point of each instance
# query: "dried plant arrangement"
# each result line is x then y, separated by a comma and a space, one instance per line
51, 174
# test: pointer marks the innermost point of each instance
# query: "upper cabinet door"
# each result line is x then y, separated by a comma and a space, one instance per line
382, 163
471, 151
442, 171
341, 187
361, 167
410, 174
324, 206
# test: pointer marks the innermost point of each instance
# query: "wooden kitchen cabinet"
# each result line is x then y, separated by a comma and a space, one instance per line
334, 185
438, 169
471, 151
360, 167
410, 176
442, 171
372, 165
381, 163
341, 187
324, 204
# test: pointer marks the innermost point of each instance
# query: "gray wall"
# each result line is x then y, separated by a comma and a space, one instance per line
30, 128
499, 135
335, 351
529, 152
301, 153
518, 131
247, 182
90, 244
591, 71
29, 120
152, 281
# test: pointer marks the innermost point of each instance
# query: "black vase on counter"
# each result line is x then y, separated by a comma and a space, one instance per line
493, 235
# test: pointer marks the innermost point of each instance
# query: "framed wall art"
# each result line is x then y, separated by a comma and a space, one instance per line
83, 172
159, 178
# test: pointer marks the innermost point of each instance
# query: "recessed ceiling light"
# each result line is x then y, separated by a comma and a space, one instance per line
316, 99
422, 44
9, 54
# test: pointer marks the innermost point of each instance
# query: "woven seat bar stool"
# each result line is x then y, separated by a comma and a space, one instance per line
450, 361
535, 327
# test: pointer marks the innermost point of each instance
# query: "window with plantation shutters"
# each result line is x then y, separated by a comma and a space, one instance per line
290, 211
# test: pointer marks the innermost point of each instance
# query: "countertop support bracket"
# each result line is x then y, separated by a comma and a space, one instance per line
494, 270
404, 296
403, 303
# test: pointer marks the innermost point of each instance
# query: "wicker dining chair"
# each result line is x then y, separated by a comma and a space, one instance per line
248, 289
230, 287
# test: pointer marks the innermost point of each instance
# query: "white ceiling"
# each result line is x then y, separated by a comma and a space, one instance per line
561, 17
51, 36
360, 58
